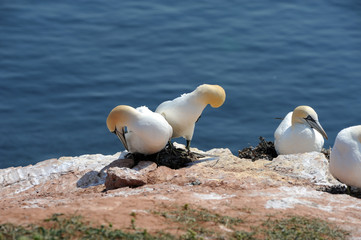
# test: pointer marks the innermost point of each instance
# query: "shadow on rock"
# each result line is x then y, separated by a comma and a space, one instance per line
174, 158
95, 178
92, 178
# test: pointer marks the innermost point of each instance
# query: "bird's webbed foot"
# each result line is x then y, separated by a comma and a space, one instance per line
170, 148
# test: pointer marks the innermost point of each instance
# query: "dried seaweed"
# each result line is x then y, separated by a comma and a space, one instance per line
341, 189
264, 150
171, 157
326, 152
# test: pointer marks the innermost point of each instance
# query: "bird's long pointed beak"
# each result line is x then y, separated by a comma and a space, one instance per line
316, 125
121, 136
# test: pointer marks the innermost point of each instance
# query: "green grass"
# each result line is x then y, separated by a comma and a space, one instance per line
195, 223
192, 217
72, 228
301, 228
293, 228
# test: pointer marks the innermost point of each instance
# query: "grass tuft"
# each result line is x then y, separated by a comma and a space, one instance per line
301, 228
191, 217
71, 228
196, 223
199, 223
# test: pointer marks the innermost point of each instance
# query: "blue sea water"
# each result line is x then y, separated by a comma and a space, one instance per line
65, 64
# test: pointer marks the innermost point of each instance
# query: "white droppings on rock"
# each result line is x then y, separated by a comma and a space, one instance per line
130, 192
212, 196
284, 203
140, 211
220, 151
291, 202
326, 208
301, 192
163, 198
289, 197
26, 177
311, 166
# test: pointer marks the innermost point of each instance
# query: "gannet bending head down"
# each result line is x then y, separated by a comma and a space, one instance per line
183, 112
299, 132
140, 130
345, 158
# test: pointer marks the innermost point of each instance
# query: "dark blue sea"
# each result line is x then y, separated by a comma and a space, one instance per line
65, 64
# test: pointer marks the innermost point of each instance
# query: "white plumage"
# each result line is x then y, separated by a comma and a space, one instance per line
345, 158
140, 130
299, 132
183, 112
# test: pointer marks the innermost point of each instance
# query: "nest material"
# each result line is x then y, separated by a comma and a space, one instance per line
334, 189
264, 150
326, 152
174, 158
341, 189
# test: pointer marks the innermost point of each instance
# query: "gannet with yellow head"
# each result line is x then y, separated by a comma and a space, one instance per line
183, 112
299, 132
345, 158
140, 130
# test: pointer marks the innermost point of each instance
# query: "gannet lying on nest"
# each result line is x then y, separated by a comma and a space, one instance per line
345, 158
299, 132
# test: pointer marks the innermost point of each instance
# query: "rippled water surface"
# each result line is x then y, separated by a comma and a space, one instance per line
65, 64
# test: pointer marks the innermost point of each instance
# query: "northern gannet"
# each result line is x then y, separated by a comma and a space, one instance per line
299, 132
140, 130
183, 112
345, 158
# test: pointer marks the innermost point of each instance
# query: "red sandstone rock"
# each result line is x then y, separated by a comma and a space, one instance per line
127, 163
222, 183
145, 167
124, 177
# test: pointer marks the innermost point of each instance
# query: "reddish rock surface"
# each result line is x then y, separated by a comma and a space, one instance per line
118, 177
222, 183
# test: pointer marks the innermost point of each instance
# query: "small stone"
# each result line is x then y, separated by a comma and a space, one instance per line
124, 177
145, 166
126, 163
195, 182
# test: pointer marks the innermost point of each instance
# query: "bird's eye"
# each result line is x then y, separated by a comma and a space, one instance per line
309, 118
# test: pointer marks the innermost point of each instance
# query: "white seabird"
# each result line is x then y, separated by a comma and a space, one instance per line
345, 158
183, 112
140, 130
299, 132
